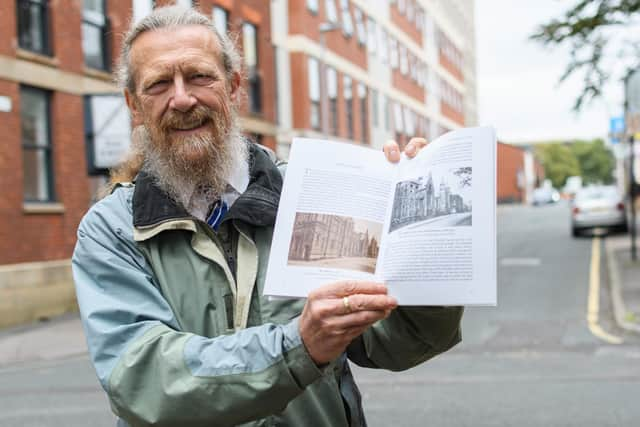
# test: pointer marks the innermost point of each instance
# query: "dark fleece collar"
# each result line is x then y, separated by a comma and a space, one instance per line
257, 206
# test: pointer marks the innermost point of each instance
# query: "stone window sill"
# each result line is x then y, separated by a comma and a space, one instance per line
37, 57
40, 208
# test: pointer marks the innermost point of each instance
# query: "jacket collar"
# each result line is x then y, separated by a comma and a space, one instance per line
257, 206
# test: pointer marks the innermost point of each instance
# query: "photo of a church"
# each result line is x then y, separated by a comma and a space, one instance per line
435, 201
334, 241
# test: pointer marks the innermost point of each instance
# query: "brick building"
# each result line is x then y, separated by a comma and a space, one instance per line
52, 54
518, 173
335, 68
365, 72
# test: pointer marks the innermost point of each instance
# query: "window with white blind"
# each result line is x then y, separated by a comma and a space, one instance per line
360, 26
331, 11
332, 92
347, 22
312, 5
220, 19
315, 118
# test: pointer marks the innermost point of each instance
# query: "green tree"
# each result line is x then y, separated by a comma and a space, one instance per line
559, 162
589, 28
596, 161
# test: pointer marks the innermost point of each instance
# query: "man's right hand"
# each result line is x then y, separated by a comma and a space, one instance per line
329, 322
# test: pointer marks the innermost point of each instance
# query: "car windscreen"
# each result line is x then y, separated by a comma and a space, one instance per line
597, 193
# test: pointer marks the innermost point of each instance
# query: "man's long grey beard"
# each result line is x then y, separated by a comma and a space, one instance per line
194, 185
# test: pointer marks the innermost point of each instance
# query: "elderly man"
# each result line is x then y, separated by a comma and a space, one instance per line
169, 268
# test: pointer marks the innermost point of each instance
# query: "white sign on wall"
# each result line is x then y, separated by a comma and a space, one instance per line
5, 104
108, 131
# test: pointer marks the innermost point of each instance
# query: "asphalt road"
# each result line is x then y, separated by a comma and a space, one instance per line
530, 361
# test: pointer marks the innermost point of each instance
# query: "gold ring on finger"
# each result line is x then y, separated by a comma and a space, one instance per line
347, 306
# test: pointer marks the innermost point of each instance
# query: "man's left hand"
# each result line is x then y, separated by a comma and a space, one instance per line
392, 150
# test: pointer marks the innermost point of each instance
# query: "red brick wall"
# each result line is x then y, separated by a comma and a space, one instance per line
451, 113
303, 22
8, 31
408, 27
450, 67
407, 86
510, 162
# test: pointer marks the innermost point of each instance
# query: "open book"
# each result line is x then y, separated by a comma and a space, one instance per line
425, 226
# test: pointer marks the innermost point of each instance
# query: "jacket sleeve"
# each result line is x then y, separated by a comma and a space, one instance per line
153, 373
408, 337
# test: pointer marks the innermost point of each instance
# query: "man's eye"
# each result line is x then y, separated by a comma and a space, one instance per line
201, 78
157, 85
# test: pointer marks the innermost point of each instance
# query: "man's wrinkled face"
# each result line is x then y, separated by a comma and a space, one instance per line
182, 95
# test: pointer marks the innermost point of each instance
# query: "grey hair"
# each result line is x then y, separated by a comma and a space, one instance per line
167, 17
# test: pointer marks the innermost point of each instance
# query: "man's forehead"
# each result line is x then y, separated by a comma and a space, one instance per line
177, 38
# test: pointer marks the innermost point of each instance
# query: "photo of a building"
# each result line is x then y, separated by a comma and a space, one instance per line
334, 241
433, 200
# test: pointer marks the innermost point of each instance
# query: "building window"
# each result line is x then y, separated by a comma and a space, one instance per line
364, 122
386, 113
312, 5
384, 44
36, 145
404, 64
348, 100
371, 36
374, 107
397, 119
347, 22
393, 52
402, 6
33, 26
220, 19
360, 27
95, 27
142, 8
250, 50
332, 91
331, 11
314, 93
410, 11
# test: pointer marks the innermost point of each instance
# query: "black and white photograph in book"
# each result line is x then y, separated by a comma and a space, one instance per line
333, 241
442, 198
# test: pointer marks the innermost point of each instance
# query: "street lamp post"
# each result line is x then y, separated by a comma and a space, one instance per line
632, 121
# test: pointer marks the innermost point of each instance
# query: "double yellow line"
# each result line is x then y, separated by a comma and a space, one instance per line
593, 305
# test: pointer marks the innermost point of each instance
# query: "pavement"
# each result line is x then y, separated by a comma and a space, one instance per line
54, 339
624, 280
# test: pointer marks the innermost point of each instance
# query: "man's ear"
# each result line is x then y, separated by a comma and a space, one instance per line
134, 108
234, 83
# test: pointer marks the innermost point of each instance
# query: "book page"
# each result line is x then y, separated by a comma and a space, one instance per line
332, 210
440, 247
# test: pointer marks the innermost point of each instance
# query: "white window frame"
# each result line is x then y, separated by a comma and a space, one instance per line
312, 5
347, 20
360, 26
331, 11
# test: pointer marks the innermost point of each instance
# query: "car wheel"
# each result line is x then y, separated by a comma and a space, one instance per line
575, 232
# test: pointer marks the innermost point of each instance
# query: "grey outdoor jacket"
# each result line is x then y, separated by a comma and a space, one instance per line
178, 338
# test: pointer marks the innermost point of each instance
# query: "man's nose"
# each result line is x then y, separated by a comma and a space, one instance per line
182, 99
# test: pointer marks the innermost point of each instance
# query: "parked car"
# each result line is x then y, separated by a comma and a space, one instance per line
545, 195
598, 206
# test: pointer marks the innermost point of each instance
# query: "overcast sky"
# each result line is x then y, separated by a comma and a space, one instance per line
518, 92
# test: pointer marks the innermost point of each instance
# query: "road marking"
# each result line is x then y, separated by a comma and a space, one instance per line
593, 305
528, 262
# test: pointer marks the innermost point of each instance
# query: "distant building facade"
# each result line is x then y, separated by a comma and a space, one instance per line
318, 236
365, 72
